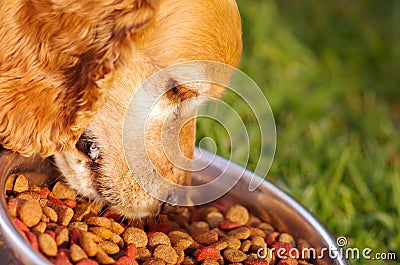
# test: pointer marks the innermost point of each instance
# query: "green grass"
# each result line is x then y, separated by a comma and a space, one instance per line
331, 73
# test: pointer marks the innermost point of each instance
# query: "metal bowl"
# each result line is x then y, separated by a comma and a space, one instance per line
267, 202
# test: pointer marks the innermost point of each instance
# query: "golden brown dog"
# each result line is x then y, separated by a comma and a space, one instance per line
66, 66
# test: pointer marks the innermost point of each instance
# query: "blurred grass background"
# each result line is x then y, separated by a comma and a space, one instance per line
331, 73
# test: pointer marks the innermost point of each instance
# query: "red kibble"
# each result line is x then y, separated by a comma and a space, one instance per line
196, 215
70, 203
21, 226
288, 261
131, 251
51, 233
44, 193
62, 257
257, 262
125, 260
282, 249
111, 214
55, 201
32, 239
272, 238
228, 225
75, 236
87, 262
208, 253
161, 227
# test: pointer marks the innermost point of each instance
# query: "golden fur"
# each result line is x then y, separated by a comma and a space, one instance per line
58, 67
57, 60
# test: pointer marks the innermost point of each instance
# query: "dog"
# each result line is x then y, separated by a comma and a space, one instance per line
68, 73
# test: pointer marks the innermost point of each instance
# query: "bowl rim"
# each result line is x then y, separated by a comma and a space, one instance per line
325, 235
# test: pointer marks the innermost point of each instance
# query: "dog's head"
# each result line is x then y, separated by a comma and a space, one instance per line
57, 62
181, 31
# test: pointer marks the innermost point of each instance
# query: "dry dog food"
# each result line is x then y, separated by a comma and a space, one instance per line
70, 230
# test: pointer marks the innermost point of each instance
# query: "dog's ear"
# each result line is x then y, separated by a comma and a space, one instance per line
57, 62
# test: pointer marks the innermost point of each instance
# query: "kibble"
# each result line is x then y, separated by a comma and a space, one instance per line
70, 230
238, 213
77, 253
234, 255
30, 213
47, 245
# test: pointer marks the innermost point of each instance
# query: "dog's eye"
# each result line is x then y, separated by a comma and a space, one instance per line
87, 146
179, 93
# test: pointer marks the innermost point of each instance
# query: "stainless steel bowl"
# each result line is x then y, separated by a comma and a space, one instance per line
268, 202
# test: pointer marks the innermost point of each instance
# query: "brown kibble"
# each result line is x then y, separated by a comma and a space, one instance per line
207, 237
286, 238
116, 228
237, 213
234, 255
181, 255
29, 196
166, 253
62, 192
116, 239
95, 208
143, 253
77, 253
210, 262
65, 215
158, 238
257, 232
21, 184
154, 261
50, 213
220, 232
245, 247
87, 243
39, 228
80, 211
189, 261
102, 232
43, 202
272, 237
44, 218
95, 237
266, 227
233, 242
102, 257
62, 237
180, 239
301, 245
9, 185
253, 221
135, 236
78, 225
240, 233
47, 245
30, 213
99, 221
198, 228
220, 244
109, 247
257, 242
213, 218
